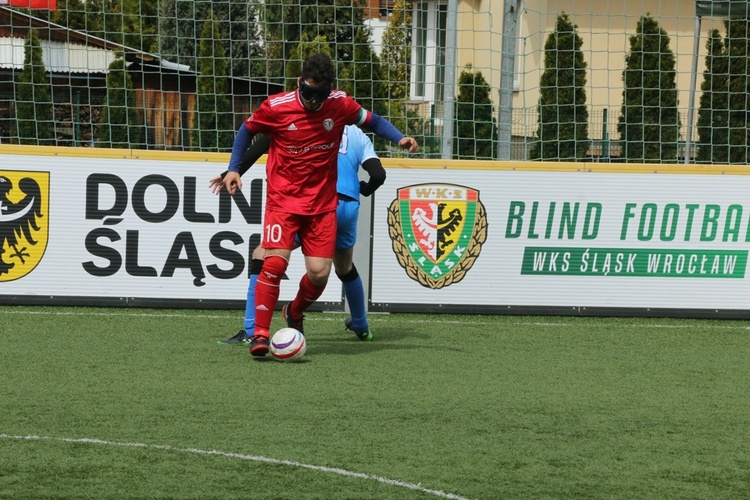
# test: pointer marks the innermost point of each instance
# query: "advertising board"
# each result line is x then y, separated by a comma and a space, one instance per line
130, 231
574, 241
143, 229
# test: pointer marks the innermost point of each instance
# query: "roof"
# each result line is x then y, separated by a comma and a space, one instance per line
57, 56
66, 50
69, 51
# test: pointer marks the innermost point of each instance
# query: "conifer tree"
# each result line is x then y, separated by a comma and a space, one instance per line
106, 19
119, 122
649, 125
562, 134
34, 108
475, 123
738, 97
396, 53
362, 77
70, 13
286, 21
180, 22
214, 124
713, 112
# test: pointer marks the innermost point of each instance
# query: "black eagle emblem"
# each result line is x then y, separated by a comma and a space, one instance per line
18, 219
446, 227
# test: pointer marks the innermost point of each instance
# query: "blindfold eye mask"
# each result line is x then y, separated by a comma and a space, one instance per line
309, 93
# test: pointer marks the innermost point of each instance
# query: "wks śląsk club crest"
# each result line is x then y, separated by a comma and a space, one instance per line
437, 232
23, 222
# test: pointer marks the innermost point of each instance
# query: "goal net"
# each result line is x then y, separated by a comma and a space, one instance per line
559, 80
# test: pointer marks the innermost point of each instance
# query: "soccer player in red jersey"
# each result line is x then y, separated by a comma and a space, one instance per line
306, 126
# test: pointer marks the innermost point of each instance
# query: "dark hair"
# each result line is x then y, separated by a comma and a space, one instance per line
319, 69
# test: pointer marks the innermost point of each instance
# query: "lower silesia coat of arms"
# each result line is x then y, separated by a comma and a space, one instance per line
24, 228
437, 232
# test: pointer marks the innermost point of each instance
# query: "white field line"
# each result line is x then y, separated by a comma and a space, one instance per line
436, 318
253, 458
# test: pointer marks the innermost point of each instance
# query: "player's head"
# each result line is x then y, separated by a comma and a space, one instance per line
316, 81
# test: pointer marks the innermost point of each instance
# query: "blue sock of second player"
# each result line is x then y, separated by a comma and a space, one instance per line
249, 325
355, 296
250, 306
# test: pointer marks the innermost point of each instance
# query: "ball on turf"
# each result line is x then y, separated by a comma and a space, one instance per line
288, 344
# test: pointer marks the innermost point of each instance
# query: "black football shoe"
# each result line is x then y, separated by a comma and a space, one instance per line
241, 339
296, 323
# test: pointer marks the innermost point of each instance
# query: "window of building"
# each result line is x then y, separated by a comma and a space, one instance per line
386, 7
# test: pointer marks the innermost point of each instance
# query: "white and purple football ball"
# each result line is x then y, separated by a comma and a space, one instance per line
288, 344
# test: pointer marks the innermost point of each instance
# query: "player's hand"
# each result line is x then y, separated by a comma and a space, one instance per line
409, 143
216, 184
232, 182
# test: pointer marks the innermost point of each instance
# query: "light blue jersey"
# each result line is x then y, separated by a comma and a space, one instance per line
355, 148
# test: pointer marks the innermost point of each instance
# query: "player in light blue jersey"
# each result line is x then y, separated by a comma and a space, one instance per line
355, 151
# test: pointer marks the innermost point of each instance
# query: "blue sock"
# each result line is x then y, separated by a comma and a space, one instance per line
250, 306
355, 296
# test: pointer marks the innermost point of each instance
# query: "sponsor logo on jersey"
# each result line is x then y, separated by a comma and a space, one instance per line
437, 232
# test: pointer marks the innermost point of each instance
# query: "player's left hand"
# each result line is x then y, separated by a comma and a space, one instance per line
409, 143
232, 182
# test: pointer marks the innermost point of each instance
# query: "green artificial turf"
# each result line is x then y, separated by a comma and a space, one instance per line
134, 403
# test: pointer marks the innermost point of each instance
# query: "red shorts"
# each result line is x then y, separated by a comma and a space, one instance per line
317, 233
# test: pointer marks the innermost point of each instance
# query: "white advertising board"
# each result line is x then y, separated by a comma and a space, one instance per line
127, 229
509, 239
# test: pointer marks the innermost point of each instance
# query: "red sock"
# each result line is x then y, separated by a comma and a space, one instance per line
267, 290
307, 294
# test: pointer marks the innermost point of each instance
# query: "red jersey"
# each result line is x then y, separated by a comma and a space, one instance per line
301, 169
